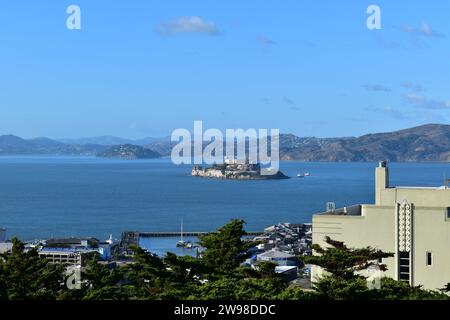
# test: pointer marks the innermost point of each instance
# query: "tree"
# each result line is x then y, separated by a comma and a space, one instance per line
184, 277
342, 262
218, 275
24, 275
225, 278
329, 287
224, 249
146, 276
398, 290
342, 281
245, 284
101, 282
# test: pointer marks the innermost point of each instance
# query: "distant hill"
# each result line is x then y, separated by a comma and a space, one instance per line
10, 144
162, 146
424, 143
107, 141
129, 152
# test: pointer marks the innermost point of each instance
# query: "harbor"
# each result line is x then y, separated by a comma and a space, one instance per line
156, 234
281, 244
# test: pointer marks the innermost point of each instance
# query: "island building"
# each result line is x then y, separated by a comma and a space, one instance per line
233, 169
411, 222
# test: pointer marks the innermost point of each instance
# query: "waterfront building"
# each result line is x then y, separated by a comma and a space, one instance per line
288, 272
76, 251
411, 222
278, 257
4, 246
72, 242
70, 256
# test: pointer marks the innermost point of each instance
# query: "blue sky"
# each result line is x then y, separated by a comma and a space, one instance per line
143, 68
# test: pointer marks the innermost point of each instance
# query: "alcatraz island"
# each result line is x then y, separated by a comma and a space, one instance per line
232, 169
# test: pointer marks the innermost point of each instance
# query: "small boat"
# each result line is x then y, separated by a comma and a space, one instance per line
182, 243
302, 175
185, 244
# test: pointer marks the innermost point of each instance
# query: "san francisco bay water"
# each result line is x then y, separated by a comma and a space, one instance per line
45, 196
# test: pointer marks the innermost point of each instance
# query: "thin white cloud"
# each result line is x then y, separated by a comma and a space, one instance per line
291, 103
412, 86
426, 103
265, 41
388, 111
424, 30
310, 44
377, 87
188, 25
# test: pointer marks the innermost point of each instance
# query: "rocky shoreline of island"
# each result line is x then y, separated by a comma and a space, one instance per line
236, 171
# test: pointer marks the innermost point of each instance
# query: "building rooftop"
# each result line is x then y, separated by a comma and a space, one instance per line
66, 250
425, 188
5, 247
354, 210
72, 239
276, 254
282, 269
389, 195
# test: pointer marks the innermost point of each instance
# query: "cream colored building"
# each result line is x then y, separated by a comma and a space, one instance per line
411, 222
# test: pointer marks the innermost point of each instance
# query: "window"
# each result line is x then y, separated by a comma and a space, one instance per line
403, 263
429, 259
380, 260
448, 212
404, 277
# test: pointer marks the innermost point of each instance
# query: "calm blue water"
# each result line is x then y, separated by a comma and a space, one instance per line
161, 246
43, 196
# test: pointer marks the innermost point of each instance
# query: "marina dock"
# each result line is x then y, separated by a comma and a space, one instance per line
185, 234
130, 238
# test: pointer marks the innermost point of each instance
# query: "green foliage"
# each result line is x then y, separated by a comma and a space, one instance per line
398, 290
227, 288
218, 275
225, 249
244, 283
100, 282
335, 288
24, 275
342, 281
215, 276
146, 276
446, 288
342, 262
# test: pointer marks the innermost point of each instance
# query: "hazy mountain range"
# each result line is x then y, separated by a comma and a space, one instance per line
424, 143
108, 141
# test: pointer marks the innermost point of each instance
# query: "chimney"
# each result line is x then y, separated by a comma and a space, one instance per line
381, 180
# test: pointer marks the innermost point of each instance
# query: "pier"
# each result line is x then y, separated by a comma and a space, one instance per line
185, 234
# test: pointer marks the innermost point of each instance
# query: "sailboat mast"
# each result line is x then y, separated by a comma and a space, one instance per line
181, 229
